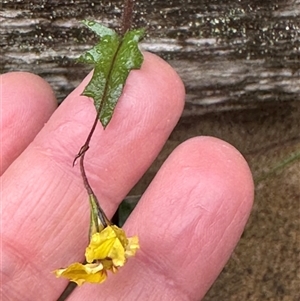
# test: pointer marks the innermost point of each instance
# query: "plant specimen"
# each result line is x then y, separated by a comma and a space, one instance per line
113, 57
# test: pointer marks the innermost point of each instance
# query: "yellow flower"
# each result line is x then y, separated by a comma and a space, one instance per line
108, 250
81, 273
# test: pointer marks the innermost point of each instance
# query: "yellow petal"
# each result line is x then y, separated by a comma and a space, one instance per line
117, 254
132, 247
109, 243
79, 273
98, 248
121, 235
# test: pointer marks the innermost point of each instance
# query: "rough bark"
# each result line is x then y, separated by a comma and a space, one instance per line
231, 54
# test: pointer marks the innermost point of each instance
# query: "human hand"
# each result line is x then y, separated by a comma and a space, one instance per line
188, 221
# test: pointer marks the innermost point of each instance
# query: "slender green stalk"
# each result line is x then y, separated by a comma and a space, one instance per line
287, 161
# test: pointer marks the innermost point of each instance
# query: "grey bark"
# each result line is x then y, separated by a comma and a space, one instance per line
230, 54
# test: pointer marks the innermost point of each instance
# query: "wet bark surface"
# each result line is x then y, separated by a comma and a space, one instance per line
229, 54
240, 64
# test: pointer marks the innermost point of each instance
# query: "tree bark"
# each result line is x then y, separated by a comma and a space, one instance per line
231, 54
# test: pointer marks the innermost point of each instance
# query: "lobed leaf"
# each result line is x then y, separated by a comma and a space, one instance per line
113, 58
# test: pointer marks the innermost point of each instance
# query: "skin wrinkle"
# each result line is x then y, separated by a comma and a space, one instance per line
165, 287
52, 167
22, 262
186, 214
81, 203
14, 202
228, 230
19, 257
223, 234
181, 285
149, 152
31, 225
73, 173
56, 149
197, 205
133, 105
32, 264
146, 259
159, 273
160, 265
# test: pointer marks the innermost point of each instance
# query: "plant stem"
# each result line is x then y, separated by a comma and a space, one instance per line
291, 159
81, 155
126, 25
83, 150
127, 16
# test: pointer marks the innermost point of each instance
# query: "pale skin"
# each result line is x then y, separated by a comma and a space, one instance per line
188, 221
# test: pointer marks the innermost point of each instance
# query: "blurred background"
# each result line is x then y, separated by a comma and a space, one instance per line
240, 62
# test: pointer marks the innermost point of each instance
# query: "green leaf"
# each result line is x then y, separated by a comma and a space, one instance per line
113, 58
98, 28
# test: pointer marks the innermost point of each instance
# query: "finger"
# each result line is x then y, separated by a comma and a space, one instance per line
27, 102
188, 222
45, 205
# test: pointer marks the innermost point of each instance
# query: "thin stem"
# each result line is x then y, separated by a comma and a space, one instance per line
67, 291
103, 218
81, 155
86, 146
291, 159
84, 177
126, 24
127, 16
101, 214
